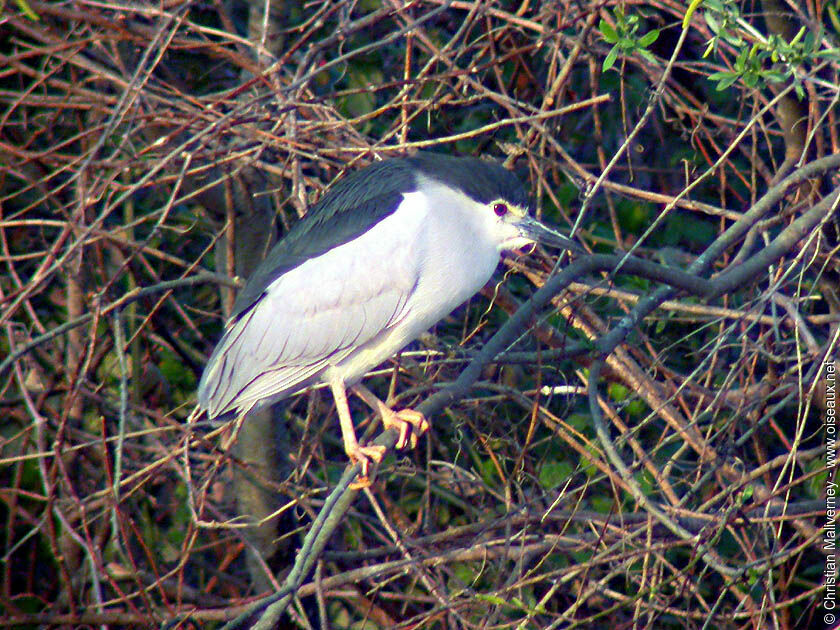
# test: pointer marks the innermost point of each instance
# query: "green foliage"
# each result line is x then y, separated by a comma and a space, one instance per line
360, 98
618, 392
602, 503
646, 482
466, 573
761, 60
818, 475
553, 474
686, 230
833, 11
626, 38
172, 369
633, 215
515, 603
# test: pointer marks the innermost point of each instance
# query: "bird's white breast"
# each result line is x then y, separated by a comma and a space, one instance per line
445, 248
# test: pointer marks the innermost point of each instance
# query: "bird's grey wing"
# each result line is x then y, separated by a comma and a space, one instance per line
345, 212
313, 316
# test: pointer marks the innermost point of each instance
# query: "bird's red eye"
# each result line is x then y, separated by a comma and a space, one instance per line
500, 209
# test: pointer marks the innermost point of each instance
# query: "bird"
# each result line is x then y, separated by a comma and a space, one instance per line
387, 252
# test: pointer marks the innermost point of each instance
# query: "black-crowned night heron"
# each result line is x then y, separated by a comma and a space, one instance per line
386, 253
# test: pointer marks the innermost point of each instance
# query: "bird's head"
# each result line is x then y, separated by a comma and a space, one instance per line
493, 198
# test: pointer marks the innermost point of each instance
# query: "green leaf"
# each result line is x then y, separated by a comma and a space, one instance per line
746, 494
829, 54
732, 38
834, 17
608, 32
609, 61
491, 599
648, 38
646, 482
636, 408
554, 474
617, 392
714, 25
725, 79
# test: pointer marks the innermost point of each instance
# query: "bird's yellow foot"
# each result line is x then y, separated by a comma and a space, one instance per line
409, 423
364, 455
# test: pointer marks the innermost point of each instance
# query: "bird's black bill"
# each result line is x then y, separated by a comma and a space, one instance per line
534, 230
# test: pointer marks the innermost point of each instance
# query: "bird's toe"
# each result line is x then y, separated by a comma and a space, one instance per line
364, 455
411, 425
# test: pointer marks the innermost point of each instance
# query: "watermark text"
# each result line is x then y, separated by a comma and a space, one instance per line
831, 496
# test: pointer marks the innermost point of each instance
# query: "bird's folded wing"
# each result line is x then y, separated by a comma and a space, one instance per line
309, 318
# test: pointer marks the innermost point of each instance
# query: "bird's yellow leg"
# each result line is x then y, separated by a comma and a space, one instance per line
411, 424
357, 454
